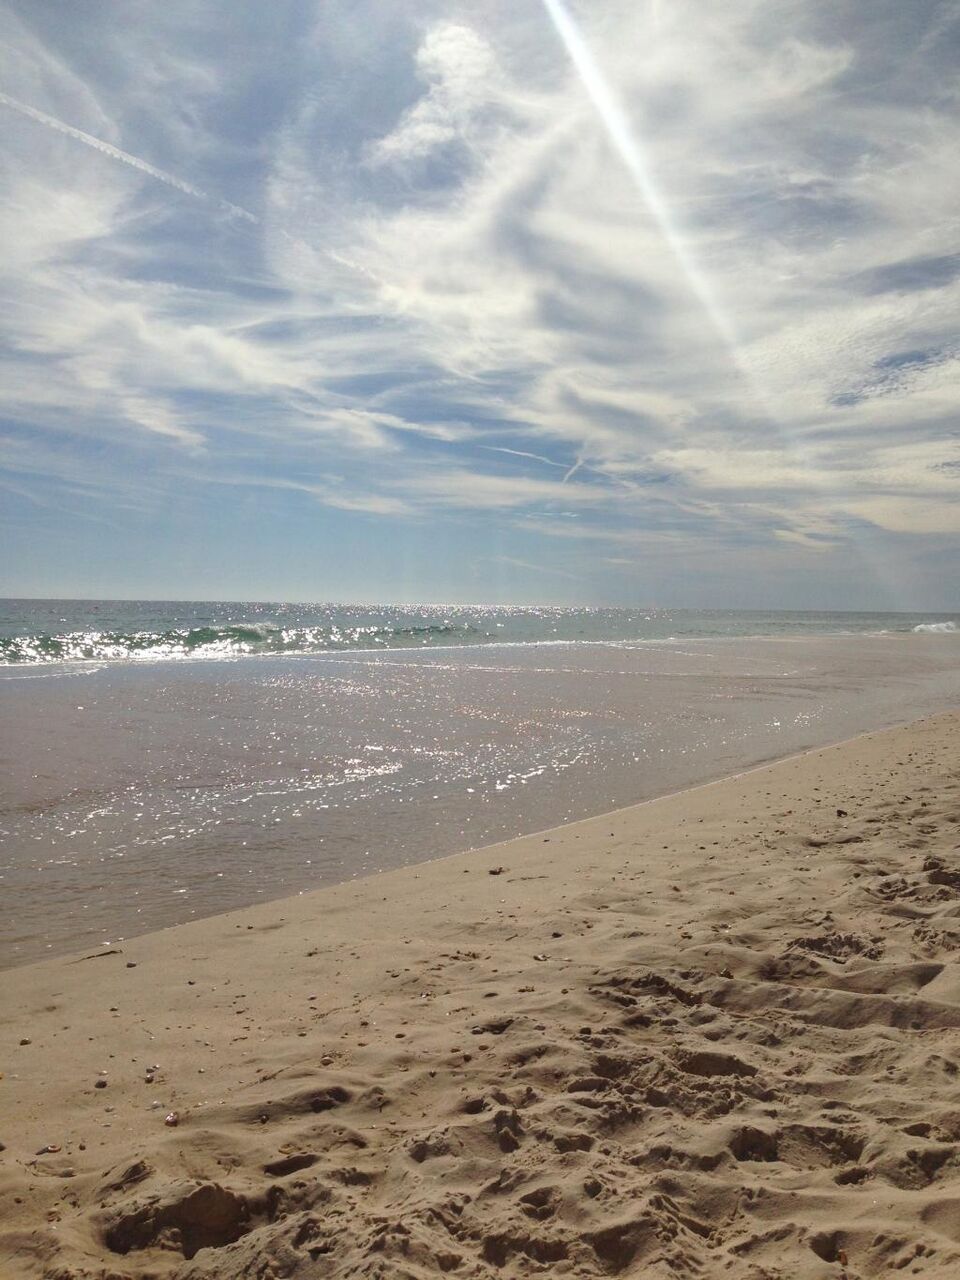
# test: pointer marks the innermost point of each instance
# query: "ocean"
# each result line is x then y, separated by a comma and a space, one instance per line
161, 762
52, 631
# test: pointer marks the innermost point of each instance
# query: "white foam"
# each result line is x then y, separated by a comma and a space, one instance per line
940, 628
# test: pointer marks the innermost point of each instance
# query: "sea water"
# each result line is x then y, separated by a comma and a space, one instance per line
160, 763
47, 631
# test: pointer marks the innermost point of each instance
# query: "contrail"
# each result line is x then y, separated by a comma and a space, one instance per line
520, 453
107, 149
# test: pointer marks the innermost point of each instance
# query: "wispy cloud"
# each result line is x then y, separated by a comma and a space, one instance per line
514, 562
667, 282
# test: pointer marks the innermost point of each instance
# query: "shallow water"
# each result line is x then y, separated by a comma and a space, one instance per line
135, 796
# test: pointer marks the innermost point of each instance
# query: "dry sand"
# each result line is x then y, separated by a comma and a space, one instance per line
714, 1035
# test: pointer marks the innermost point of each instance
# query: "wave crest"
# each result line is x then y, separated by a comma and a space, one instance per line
214, 642
940, 628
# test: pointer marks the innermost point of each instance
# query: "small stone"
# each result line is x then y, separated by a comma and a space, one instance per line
99, 1084
171, 1119
131, 964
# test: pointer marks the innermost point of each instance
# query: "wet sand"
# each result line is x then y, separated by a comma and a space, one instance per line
717, 1034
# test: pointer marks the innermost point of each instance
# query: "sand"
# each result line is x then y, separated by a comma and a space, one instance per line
717, 1034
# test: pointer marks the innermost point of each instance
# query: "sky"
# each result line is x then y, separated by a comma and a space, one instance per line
610, 302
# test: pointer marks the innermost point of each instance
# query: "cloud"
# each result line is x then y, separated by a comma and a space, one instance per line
459, 71
464, 489
910, 275
909, 515
802, 540
331, 492
925, 467
514, 563
687, 275
157, 417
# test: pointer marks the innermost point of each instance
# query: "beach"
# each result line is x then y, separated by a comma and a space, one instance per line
714, 1034
479, 641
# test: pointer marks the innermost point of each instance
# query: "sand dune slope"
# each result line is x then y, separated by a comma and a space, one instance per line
716, 1035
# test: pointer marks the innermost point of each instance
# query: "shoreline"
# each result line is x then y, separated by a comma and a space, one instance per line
179, 792
377, 876
711, 1030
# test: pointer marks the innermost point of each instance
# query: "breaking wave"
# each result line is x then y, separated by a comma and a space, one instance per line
215, 642
45, 633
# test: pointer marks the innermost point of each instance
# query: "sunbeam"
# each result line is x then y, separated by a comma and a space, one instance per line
624, 141
628, 148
